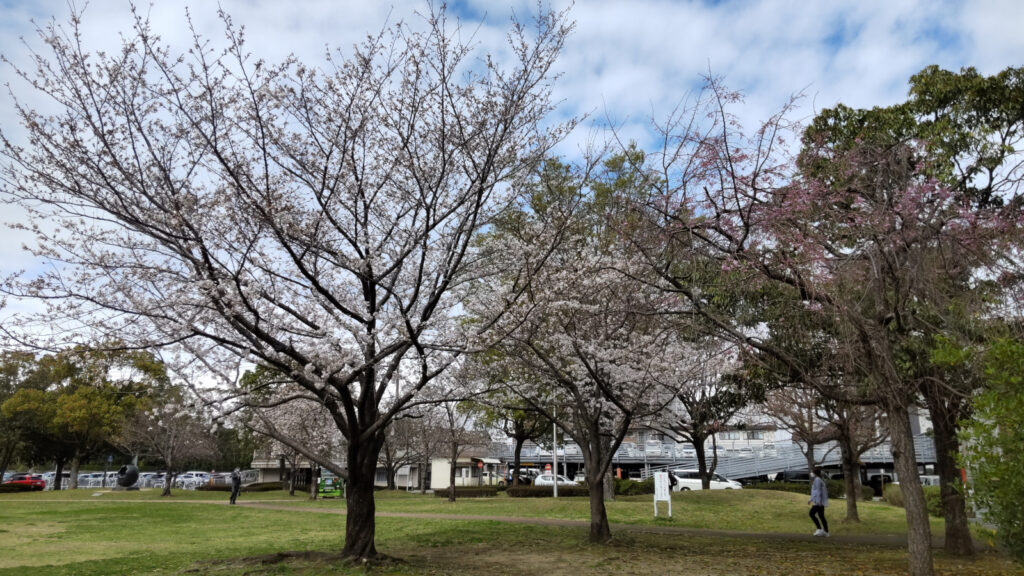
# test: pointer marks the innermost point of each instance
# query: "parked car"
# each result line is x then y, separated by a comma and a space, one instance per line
690, 480
65, 479
34, 480
488, 478
802, 476
191, 480
548, 479
90, 480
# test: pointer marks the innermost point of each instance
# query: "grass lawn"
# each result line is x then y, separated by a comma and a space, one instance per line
140, 533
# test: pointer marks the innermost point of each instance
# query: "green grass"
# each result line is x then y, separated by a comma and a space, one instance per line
140, 533
732, 510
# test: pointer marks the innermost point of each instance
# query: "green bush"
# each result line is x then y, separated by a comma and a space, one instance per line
214, 488
795, 487
932, 498
627, 487
892, 495
469, 492
259, 487
545, 491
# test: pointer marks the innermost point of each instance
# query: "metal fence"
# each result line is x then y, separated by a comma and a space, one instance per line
742, 463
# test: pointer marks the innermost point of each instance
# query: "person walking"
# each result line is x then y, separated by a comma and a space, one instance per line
818, 502
236, 484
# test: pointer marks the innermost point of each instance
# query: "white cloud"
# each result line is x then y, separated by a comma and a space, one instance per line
630, 60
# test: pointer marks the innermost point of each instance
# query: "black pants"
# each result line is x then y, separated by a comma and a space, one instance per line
816, 513
234, 493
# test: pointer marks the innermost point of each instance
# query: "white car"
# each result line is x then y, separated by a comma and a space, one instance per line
690, 480
547, 479
191, 480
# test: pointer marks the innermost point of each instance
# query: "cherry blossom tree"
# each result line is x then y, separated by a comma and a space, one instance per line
173, 430
318, 221
706, 401
585, 348
863, 246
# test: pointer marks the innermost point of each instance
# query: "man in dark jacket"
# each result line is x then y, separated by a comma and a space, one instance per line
236, 484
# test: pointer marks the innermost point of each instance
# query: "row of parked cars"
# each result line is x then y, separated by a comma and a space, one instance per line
187, 480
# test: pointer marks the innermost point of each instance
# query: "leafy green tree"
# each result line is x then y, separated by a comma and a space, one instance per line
14, 368
967, 130
993, 443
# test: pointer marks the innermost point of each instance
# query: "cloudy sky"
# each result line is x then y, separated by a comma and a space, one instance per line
627, 60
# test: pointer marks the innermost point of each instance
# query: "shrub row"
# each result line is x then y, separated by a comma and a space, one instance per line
932, 498
545, 491
836, 488
469, 492
5, 488
627, 487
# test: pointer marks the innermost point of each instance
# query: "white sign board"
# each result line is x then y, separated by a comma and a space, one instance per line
662, 492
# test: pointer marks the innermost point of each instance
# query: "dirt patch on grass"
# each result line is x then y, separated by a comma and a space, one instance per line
297, 562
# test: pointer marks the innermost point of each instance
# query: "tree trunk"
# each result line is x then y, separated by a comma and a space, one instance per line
5, 460
954, 507
58, 477
392, 471
517, 460
74, 473
919, 534
314, 483
360, 519
702, 463
609, 485
600, 531
809, 457
453, 464
422, 474
850, 469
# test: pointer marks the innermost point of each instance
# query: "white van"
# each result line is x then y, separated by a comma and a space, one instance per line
690, 480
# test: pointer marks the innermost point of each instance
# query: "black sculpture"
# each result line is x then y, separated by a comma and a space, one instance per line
127, 476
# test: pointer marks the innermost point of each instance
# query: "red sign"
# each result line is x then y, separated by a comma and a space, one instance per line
480, 464
547, 467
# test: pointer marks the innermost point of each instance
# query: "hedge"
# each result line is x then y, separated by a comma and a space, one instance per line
6, 488
546, 491
469, 492
836, 488
932, 498
626, 487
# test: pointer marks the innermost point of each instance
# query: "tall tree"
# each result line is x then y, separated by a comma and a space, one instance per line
706, 402
858, 429
316, 221
862, 244
800, 411
173, 430
994, 442
15, 368
503, 410
585, 347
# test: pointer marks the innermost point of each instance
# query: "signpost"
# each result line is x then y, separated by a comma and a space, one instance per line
662, 492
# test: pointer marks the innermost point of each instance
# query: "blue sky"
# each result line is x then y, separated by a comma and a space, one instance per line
626, 60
